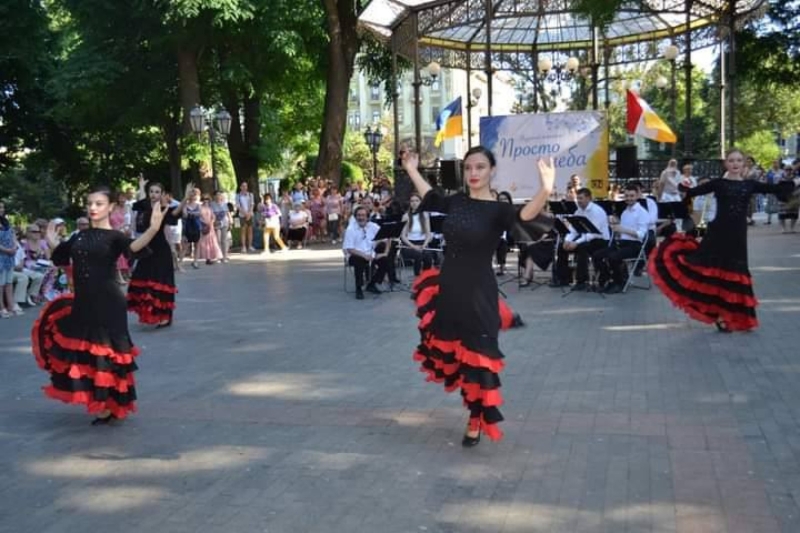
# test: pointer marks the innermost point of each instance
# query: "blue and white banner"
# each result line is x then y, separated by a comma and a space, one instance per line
577, 142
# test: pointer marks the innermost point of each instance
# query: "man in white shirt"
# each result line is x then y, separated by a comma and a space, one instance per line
583, 246
245, 203
630, 232
704, 209
359, 246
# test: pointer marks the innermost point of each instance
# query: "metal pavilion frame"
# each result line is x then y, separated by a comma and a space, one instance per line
494, 35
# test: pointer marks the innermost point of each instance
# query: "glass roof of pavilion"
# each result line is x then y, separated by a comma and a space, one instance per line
451, 30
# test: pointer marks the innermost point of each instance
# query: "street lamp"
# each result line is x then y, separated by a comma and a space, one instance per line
671, 54
219, 122
374, 138
559, 73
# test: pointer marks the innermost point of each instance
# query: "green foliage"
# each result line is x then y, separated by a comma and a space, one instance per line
31, 191
601, 13
357, 152
351, 173
762, 147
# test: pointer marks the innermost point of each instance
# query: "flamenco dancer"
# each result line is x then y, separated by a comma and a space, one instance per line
151, 291
709, 279
458, 306
82, 339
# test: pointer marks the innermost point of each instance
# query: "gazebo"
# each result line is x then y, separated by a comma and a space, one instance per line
546, 37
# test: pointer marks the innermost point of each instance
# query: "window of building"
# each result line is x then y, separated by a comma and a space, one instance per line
353, 94
376, 116
354, 121
375, 92
435, 110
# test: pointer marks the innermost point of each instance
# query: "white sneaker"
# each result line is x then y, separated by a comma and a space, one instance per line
17, 310
4, 314
30, 302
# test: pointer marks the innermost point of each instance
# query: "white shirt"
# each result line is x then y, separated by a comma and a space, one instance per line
361, 239
245, 202
635, 218
652, 213
416, 233
598, 217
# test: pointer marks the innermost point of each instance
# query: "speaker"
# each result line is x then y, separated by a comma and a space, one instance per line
450, 172
627, 164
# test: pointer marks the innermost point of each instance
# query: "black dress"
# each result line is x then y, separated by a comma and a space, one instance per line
82, 338
710, 279
151, 291
460, 316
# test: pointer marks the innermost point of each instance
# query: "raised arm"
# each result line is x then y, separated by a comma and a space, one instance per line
179, 208
410, 162
156, 217
700, 190
547, 177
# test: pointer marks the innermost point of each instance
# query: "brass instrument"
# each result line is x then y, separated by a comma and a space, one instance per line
702, 224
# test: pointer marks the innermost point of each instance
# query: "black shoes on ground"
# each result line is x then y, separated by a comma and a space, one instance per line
369, 288
470, 442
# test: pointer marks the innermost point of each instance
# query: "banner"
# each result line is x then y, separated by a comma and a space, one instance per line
577, 142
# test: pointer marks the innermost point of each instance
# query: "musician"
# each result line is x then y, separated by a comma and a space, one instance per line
583, 246
629, 233
359, 246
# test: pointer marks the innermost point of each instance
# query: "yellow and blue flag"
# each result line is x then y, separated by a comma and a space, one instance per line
448, 123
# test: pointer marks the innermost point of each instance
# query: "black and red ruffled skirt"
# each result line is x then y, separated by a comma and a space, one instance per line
152, 301
471, 365
707, 293
87, 365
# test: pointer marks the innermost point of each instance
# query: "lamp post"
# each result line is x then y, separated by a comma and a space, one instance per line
473, 102
433, 73
217, 122
374, 138
558, 73
671, 54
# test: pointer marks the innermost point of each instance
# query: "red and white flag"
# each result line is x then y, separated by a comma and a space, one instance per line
642, 120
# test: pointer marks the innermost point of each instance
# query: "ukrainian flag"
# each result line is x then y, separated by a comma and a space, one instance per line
448, 124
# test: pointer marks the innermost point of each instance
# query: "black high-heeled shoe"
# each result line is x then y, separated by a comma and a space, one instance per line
722, 326
103, 421
469, 442
164, 324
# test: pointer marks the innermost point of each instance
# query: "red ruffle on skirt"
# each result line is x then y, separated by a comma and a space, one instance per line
704, 292
457, 366
153, 302
107, 386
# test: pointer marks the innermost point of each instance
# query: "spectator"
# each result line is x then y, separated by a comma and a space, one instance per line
8, 251
191, 224
245, 203
299, 220
222, 223
298, 194
271, 215
27, 282
208, 244
333, 213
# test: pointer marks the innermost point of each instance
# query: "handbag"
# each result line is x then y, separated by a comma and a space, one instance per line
333, 217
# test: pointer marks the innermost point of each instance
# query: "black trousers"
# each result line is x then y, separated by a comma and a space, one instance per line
420, 258
501, 253
583, 252
610, 261
361, 268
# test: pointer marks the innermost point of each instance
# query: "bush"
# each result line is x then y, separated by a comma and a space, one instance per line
351, 173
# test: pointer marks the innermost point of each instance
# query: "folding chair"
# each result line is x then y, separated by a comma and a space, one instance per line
632, 264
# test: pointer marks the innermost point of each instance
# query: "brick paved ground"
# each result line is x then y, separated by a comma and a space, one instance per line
279, 404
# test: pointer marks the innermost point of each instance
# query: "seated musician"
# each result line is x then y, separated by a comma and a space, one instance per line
359, 247
631, 230
583, 246
416, 236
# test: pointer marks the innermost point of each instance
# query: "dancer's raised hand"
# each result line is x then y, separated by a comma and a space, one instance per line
156, 215
547, 172
410, 160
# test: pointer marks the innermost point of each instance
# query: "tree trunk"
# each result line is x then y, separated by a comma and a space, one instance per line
243, 148
171, 131
342, 21
189, 85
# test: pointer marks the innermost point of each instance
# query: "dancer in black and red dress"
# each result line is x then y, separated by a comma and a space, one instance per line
82, 338
458, 306
151, 291
710, 279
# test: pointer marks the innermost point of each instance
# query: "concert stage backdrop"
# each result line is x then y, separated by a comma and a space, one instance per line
577, 141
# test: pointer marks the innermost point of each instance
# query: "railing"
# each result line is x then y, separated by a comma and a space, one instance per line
648, 171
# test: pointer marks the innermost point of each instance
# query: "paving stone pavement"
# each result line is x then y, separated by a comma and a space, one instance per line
277, 403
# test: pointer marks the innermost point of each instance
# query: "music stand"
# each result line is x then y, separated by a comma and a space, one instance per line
391, 229
562, 207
